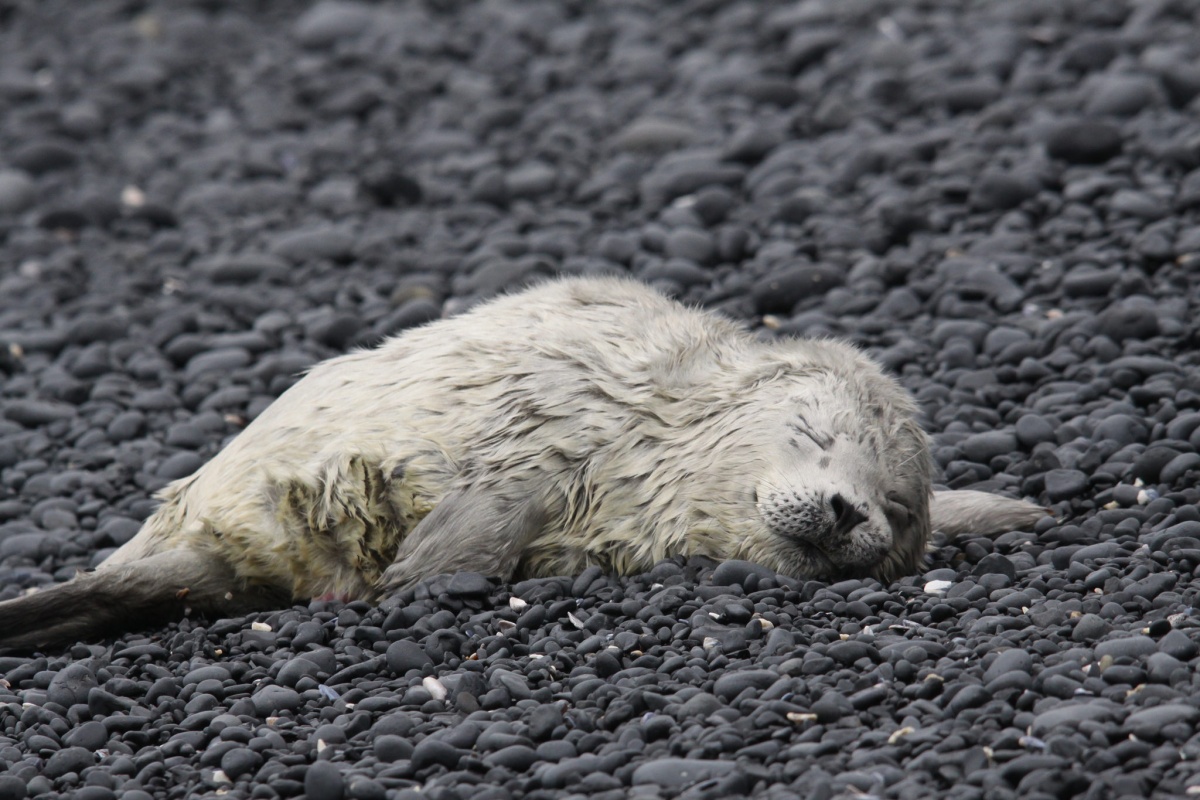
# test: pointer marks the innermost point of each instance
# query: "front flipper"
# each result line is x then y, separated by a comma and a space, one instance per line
473, 529
963, 511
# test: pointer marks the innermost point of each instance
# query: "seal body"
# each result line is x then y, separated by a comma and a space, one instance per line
585, 421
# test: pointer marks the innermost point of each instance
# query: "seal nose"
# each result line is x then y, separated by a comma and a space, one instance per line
846, 516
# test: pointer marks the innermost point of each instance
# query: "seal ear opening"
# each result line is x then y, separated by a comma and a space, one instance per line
962, 511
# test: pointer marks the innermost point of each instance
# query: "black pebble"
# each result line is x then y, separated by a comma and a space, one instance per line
323, 781
1087, 141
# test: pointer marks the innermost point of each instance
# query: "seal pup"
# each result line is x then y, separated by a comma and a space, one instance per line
584, 421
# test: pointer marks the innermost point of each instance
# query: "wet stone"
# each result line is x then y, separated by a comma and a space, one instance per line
1084, 142
731, 684
330, 21
1148, 724
43, 156
1121, 95
983, 447
1179, 645
677, 773
1089, 628
690, 244
404, 655
70, 759
16, 192
734, 572
779, 291
270, 700
1129, 646
179, 465
1065, 484
1011, 660
430, 751
323, 781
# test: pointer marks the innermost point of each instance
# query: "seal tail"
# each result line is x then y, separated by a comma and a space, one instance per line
962, 511
143, 592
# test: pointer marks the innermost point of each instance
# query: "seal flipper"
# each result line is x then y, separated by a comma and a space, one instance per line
473, 529
121, 596
960, 511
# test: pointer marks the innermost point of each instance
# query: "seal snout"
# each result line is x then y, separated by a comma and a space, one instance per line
847, 517
822, 522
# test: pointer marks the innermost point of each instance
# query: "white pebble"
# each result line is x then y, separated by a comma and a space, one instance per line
435, 688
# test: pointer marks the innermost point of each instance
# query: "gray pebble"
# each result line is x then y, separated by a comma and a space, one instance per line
17, 191
531, 180
323, 781
731, 684
677, 773
330, 21
1084, 142
69, 759
179, 466
323, 243
1065, 484
654, 134
1131, 646
1179, 645
44, 156
404, 655
1121, 95
270, 700
430, 751
1089, 628
983, 447
691, 244
1148, 723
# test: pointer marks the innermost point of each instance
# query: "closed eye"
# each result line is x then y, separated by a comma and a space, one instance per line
895, 509
800, 426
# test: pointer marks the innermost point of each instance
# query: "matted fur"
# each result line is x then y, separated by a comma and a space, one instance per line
586, 421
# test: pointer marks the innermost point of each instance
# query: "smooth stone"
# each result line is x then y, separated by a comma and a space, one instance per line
270, 700
731, 684
329, 21
1179, 645
780, 290
654, 133
179, 465
1011, 660
1135, 646
735, 572
69, 759
1121, 95
1084, 141
1065, 484
404, 655
45, 156
323, 781
1089, 628
1148, 723
17, 191
430, 751
676, 773
983, 447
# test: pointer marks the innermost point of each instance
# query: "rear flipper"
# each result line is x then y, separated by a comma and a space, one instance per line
129, 595
962, 511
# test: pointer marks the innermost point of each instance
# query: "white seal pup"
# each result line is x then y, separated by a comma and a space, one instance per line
585, 421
